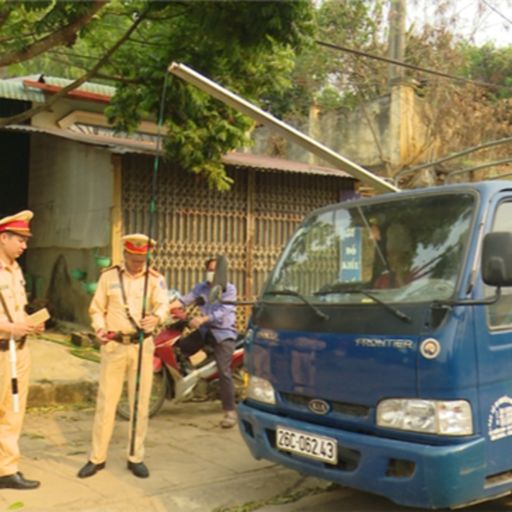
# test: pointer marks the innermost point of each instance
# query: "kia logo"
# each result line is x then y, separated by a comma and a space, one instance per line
318, 406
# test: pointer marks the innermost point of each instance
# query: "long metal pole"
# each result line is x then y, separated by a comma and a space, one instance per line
152, 210
13, 360
290, 133
14, 375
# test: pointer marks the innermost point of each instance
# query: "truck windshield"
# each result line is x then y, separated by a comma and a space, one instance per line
406, 250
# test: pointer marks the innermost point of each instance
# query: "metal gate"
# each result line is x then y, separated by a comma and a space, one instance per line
249, 224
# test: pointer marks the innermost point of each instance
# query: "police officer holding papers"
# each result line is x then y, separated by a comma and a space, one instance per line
14, 355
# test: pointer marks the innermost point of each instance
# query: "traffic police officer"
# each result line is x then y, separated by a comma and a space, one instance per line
116, 313
14, 233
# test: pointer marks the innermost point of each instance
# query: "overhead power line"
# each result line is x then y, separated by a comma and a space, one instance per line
453, 156
410, 66
496, 11
486, 165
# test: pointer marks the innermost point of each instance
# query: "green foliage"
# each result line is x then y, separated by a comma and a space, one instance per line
490, 64
245, 46
17, 505
330, 98
330, 78
92, 41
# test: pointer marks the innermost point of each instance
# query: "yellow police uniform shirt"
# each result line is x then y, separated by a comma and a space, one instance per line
12, 286
107, 308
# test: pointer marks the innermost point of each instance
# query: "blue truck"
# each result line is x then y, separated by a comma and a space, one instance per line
380, 350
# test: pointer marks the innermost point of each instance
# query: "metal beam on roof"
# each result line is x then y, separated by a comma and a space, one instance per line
290, 133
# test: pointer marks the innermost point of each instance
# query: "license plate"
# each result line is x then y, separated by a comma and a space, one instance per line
308, 445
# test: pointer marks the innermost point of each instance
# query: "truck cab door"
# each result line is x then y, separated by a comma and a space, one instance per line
493, 334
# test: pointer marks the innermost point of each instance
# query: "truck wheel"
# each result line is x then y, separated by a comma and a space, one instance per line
158, 394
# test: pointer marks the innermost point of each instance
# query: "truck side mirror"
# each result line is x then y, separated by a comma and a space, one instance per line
497, 259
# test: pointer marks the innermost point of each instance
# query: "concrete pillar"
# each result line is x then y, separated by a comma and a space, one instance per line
396, 41
117, 212
402, 133
315, 131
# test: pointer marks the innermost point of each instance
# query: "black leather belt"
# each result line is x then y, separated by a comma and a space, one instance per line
126, 339
4, 344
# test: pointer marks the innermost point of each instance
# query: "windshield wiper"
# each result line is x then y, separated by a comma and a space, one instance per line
293, 293
340, 288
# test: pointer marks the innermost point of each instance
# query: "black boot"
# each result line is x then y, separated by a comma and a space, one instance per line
139, 469
17, 481
90, 469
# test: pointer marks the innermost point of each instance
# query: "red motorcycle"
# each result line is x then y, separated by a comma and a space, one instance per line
176, 378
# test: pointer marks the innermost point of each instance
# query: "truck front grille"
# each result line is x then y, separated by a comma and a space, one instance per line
360, 411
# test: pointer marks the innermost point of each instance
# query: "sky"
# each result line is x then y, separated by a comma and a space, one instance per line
479, 21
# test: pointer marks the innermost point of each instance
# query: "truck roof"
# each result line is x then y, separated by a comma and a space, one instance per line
483, 188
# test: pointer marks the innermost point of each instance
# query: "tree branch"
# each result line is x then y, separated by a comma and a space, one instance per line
117, 78
112, 78
23, 116
62, 36
146, 43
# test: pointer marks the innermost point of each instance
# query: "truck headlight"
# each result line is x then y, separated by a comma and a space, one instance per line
447, 418
261, 390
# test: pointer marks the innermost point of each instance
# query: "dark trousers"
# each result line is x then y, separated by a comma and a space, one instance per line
223, 353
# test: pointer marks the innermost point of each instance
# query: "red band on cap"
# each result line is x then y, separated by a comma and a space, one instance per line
15, 225
134, 249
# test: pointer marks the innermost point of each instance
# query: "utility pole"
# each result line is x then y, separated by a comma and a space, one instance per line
401, 95
396, 42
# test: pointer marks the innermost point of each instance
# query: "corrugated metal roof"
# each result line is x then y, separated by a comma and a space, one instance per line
126, 146
114, 144
13, 88
279, 164
106, 90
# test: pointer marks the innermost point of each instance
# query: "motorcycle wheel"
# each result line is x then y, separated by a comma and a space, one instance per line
156, 400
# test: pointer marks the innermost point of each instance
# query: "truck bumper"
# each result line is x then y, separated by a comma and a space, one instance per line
407, 473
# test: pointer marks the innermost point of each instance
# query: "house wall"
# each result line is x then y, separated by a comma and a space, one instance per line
361, 135
50, 118
383, 135
71, 194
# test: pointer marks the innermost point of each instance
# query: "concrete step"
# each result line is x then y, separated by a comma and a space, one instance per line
58, 376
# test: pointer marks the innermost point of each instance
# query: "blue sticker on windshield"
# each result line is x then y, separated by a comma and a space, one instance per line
351, 256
